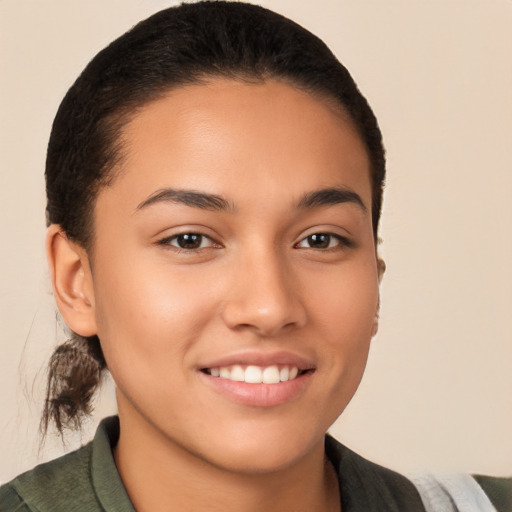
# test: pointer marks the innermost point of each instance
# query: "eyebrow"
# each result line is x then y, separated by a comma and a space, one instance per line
331, 196
213, 202
189, 198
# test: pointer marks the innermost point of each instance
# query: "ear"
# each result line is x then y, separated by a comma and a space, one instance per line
375, 325
72, 281
381, 268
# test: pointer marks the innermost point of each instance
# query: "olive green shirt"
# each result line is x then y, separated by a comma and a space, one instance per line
87, 481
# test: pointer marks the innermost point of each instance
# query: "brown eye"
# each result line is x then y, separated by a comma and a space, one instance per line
319, 241
323, 241
188, 241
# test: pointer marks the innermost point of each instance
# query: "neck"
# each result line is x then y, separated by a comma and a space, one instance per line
160, 475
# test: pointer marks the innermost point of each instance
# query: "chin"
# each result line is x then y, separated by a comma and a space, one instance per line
263, 461
272, 449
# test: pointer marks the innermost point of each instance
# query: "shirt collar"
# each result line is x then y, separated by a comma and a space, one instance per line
367, 486
105, 478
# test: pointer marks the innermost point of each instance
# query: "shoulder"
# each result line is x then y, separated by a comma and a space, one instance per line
462, 492
86, 479
42, 487
367, 486
10, 500
498, 489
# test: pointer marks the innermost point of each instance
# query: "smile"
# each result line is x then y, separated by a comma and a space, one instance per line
256, 374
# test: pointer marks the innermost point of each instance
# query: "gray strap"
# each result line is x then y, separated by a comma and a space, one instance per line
451, 492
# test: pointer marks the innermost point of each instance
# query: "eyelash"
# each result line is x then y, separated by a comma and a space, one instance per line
168, 242
341, 242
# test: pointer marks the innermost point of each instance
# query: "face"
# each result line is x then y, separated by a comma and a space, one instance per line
234, 273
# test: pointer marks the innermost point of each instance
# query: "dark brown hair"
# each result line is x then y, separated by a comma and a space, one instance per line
175, 47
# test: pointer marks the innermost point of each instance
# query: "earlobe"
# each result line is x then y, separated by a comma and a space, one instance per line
72, 281
375, 325
381, 268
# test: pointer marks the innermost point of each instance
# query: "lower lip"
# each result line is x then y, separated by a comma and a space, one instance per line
259, 395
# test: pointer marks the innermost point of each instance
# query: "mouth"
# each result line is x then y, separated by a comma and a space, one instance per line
251, 374
259, 379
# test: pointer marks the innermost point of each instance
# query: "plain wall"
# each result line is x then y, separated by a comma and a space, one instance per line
437, 393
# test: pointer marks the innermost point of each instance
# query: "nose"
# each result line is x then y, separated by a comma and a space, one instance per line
264, 296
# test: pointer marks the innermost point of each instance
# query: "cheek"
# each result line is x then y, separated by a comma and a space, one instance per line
148, 317
345, 309
346, 301
148, 325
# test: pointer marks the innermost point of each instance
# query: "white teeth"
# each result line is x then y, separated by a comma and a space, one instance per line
237, 373
271, 375
255, 374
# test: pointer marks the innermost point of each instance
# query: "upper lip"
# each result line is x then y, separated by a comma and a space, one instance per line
258, 358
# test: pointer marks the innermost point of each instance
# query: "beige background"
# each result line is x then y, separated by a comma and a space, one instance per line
437, 393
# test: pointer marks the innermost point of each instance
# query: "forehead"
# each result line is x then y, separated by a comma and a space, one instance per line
246, 137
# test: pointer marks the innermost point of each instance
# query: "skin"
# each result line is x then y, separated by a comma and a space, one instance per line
256, 286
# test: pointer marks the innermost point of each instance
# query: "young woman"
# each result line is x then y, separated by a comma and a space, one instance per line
214, 184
